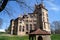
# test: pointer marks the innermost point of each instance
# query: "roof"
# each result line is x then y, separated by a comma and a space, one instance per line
30, 13
41, 6
40, 32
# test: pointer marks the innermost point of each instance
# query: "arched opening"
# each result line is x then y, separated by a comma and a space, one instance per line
40, 38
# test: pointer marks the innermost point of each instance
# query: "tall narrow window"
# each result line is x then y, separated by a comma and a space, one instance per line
40, 14
34, 20
23, 28
44, 25
43, 13
47, 15
43, 19
31, 16
30, 26
20, 28
35, 26
26, 26
26, 20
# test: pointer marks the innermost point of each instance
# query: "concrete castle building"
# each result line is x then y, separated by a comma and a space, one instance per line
35, 23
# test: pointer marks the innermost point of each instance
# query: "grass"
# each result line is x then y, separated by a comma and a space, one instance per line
5, 36
13, 38
53, 37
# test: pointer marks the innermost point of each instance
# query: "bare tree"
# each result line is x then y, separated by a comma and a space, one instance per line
22, 3
55, 26
1, 22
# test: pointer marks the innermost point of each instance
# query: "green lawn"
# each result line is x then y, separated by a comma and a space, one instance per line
13, 38
53, 37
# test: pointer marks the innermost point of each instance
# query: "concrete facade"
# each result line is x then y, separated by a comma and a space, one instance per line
32, 21
42, 23
23, 25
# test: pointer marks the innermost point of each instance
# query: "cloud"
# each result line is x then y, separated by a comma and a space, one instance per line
55, 9
2, 30
52, 0
53, 6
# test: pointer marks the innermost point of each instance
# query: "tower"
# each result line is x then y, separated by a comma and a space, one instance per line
43, 29
42, 17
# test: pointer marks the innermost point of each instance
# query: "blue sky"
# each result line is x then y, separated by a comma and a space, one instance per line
14, 8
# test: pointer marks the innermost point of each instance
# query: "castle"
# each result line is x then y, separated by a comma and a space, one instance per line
35, 23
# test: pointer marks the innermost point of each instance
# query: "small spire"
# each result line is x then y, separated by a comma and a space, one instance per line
24, 13
20, 15
42, 2
37, 2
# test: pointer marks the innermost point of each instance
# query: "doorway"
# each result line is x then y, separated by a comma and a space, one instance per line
40, 38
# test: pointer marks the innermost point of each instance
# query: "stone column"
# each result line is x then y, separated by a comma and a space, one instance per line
12, 25
36, 37
18, 27
46, 37
11, 30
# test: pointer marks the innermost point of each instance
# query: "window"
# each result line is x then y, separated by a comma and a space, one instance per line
47, 19
31, 16
26, 20
26, 32
43, 18
30, 26
34, 15
20, 28
44, 25
20, 22
35, 26
27, 17
23, 28
47, 15
26, 26
34, 20
40, 14
23, 20
30, 20
43, 13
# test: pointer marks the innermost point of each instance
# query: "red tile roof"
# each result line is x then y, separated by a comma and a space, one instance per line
40, 32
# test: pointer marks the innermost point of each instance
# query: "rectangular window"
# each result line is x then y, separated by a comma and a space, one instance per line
43, 13
47, 19
20, 22
31, 16
26, 26
35, 26
44, 25
26, 20
40, 14
34, 15
34, 20
47, 15
23, 28
43, 18
30, 20
30, 26
20, 28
